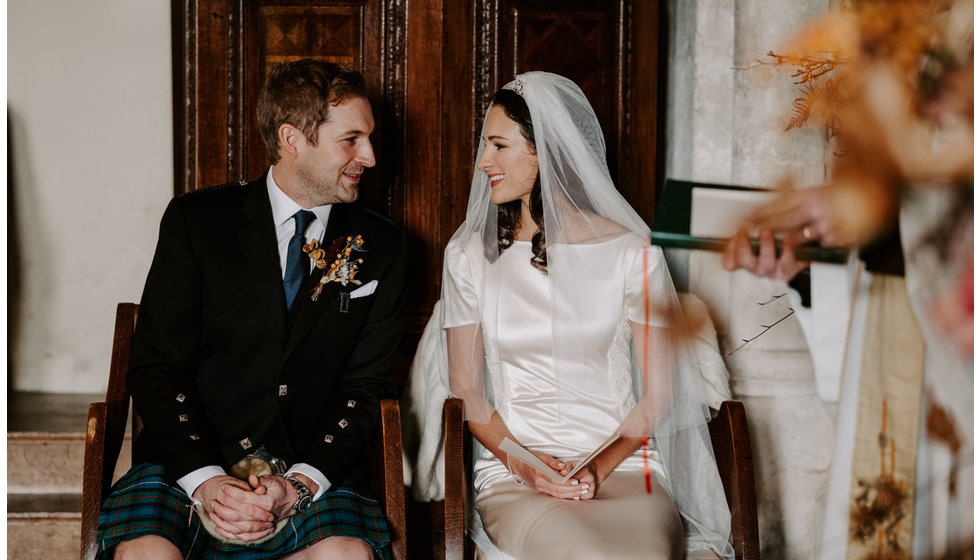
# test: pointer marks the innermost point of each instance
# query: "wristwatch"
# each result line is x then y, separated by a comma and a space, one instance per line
304, 498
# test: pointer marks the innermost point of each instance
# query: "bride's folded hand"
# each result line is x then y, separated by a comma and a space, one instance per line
542, 482
585, 482
582, 487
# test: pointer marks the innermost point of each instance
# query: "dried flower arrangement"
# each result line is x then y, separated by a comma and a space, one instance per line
900, 31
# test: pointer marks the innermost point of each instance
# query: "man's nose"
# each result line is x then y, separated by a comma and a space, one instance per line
365, 156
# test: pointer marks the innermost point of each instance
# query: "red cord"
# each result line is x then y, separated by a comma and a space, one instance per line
646, 362
646, 465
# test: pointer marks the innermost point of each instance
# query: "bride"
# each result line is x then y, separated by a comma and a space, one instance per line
561, 329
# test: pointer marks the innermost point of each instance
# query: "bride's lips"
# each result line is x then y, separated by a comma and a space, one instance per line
495, 179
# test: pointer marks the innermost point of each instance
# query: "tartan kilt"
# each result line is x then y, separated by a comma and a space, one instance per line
142, 503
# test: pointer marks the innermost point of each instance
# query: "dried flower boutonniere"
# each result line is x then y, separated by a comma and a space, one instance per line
343, 268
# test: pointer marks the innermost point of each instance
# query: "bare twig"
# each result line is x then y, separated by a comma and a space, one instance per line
770, 300
765, 329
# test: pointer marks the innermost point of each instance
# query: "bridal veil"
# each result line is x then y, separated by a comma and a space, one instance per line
581, 205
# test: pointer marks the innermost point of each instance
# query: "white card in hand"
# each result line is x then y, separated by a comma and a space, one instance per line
720, 212
520, 453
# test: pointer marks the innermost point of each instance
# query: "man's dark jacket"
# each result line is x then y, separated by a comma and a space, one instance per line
219, 367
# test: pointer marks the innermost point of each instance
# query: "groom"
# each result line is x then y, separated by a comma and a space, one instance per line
247, 347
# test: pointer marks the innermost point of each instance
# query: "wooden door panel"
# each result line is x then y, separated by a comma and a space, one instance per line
331, 33
578, 40
610, 49
224, 49
344, 33
431, 69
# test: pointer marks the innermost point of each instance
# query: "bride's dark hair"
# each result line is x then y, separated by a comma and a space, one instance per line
509, 213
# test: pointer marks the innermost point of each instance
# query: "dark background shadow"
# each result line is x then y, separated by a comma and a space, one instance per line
15, 276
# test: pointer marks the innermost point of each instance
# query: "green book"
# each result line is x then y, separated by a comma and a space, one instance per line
720, 208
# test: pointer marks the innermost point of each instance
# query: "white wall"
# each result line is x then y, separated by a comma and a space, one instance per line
90, 135
725, 125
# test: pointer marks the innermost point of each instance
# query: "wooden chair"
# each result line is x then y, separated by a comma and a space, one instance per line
107, 425
729, 439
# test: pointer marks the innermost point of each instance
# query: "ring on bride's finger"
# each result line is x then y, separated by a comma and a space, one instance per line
807, 234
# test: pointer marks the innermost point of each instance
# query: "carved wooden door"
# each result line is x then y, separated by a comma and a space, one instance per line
431, 67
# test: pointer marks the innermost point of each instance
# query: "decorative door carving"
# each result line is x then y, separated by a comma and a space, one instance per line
611, 50
431, 68
222, 53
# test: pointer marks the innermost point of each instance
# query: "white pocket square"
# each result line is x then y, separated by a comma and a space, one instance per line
365, 290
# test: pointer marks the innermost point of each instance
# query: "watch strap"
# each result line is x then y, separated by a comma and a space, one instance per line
304, 497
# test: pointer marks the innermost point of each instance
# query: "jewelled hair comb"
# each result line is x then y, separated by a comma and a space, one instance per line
517, 86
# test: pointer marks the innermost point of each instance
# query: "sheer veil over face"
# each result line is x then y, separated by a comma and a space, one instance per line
579, 206
508, 159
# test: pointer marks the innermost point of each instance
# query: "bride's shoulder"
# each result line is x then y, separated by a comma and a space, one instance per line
464, 247
605, 230
466, 242
587, 228
629, 245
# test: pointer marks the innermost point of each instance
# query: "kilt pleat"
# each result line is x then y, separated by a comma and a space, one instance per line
142, 503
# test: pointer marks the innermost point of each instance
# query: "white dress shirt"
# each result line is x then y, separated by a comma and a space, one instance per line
283, 209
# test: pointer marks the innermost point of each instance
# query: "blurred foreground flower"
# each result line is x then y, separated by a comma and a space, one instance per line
892, 81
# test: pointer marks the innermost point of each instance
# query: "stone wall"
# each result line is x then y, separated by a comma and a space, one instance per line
91, 170
726, 116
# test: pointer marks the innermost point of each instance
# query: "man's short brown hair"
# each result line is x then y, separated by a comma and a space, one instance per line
300, 93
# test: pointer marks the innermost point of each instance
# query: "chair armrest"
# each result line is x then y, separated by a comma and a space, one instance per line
117, 395
390, 454
92, 477
730, 440
106, 429
458, 466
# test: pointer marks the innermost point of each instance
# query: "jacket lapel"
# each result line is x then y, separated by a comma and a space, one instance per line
305, 312
257, 239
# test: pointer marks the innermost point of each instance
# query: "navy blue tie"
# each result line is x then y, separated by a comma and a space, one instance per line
297, 263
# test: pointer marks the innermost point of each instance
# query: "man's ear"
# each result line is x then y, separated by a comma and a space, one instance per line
290, 139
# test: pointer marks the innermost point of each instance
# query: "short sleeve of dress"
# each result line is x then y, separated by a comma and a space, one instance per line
652, 305
462, 273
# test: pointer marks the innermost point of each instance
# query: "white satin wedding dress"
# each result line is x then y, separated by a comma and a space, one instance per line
565, 420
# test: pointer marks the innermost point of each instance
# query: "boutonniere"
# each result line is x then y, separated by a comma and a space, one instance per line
343, 268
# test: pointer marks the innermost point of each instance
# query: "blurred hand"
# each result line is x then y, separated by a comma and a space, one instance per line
797, 217
800, 215
738, 254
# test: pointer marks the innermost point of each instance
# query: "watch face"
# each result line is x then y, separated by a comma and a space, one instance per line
304, 503
304, 498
